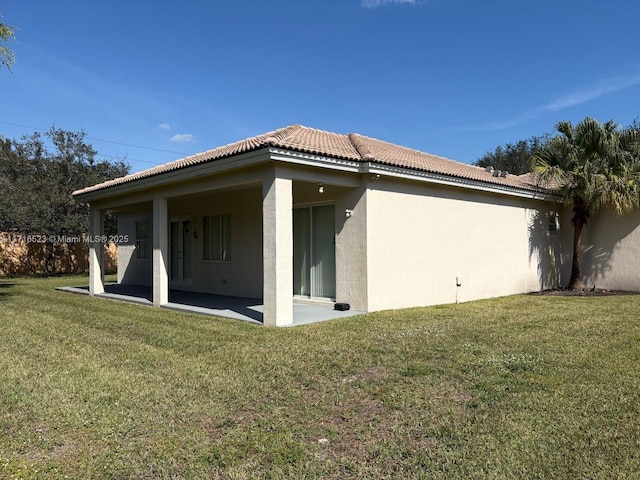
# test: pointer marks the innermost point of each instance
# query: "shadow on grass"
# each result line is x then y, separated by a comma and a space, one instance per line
5, 289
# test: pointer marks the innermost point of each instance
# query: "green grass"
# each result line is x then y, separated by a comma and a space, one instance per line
511, 388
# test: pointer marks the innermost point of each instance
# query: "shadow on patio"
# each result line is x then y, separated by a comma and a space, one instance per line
239, 308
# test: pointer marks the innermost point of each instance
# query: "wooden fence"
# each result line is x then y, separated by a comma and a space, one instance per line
21, 257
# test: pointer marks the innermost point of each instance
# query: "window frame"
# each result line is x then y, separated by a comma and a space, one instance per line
143, 242
216, 238
553, 222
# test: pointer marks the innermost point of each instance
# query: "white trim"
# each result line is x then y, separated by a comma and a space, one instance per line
266, 154
178, 175
313, 160
441, 179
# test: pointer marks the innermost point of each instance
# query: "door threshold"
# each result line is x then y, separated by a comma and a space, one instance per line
325, 302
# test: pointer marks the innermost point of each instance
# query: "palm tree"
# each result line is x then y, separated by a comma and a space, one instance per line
593, 165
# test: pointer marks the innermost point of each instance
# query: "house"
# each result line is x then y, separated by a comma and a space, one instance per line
301, 214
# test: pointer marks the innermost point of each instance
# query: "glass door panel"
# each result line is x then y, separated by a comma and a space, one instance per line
302, 251
314, 254
324, 252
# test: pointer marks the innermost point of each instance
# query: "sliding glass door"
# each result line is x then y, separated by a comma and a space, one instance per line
314, 252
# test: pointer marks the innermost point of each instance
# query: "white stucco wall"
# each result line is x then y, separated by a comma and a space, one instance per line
406, 243
242, 276
423, 239
611, 251
131, 270
351, 248
350, 236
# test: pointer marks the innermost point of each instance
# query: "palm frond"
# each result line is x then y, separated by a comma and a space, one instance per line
599, 164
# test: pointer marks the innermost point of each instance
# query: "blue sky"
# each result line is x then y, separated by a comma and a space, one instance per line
454, 78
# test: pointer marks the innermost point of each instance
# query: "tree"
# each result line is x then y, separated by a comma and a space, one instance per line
36, 183
516, 158
594, 165
7, 56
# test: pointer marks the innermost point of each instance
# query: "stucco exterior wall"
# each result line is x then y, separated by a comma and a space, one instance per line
404, 243
242, 275
351, 248
131, 270
430, 245
350, 236
611, 251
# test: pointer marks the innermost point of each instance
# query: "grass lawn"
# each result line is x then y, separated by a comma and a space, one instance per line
510, 388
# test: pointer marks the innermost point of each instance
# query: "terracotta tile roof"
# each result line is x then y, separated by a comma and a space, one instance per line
350, 147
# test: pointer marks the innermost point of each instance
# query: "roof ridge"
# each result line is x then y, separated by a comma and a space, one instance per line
360, 146
276, 137
404, 147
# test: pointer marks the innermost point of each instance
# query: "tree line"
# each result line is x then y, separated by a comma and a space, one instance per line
519, 157
38, 173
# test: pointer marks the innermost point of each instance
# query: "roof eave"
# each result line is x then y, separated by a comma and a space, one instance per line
315, 160
376, 168
178, 175
267, 153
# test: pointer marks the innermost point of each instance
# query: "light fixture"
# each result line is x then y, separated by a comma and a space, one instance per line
320, 188
348, 212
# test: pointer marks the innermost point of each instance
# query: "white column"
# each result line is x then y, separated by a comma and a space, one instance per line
160, 252
96, 252
277, 227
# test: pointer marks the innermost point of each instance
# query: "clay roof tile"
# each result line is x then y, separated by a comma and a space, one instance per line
353, 147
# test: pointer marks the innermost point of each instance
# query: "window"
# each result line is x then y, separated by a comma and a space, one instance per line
143, 250
554, 225
216, 238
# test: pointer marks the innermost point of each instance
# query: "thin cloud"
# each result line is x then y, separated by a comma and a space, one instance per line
587, 94
164, 126
380, 3
593, 92
182, 137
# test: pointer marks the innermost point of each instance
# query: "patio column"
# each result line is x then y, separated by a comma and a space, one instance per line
160, 252
277, 228
96, 251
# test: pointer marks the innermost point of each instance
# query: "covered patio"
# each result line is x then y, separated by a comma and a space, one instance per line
232, 235
239, 308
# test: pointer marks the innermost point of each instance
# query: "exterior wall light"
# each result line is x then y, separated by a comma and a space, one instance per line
348, 212
320, 188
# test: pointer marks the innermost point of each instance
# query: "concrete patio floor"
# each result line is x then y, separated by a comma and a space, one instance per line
239, 308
